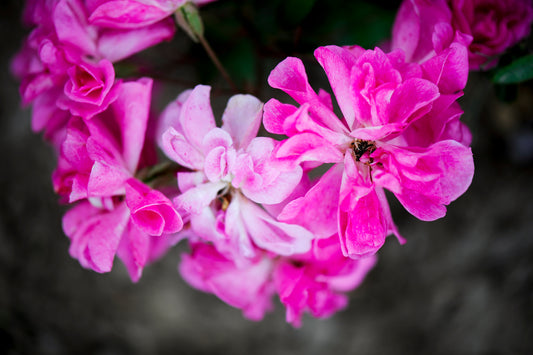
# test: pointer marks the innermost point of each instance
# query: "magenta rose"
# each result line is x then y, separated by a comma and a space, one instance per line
90, 88
495, 25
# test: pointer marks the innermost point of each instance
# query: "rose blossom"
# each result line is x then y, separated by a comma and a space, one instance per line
231, 171
381, 97
486, 27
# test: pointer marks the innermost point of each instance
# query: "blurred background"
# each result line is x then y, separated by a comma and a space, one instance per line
460, 285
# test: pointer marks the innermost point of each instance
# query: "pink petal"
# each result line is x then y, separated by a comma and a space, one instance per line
126, 14
195, 199
261, 177
247, 288
317, 210
177, 148
242, 118
275, 114
132, 109
338, 64
308, 147
196, 116
70, 20
118, 44
269, 234
151, 211
95, 234
411, 100
134, 250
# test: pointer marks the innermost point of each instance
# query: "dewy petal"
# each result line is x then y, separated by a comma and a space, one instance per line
151, 211
242, 118
95, 234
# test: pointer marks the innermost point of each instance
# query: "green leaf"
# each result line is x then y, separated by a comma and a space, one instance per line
518, 71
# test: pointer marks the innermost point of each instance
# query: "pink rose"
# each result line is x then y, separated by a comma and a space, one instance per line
495, 25
90, 88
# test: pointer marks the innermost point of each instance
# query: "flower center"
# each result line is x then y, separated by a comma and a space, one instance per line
224, 196
361, 147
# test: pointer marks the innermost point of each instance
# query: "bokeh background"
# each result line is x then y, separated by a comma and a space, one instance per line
461, 285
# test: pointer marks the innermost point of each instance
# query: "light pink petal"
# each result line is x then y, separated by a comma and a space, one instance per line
261, 177
195, 199
269, 234
216, 164
217, 137
188, 180
177, 148
242, 118
196, 116
232, 224
170, 116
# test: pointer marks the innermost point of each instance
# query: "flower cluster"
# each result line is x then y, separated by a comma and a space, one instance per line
256, 223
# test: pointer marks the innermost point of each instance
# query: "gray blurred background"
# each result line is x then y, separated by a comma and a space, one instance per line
461, 285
